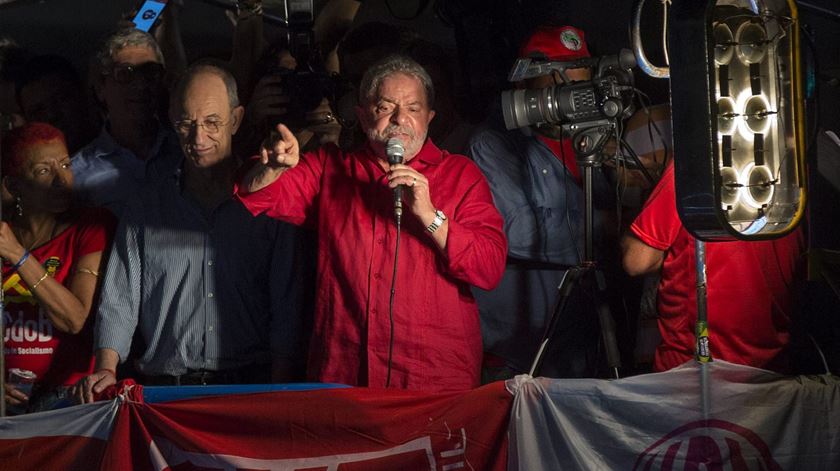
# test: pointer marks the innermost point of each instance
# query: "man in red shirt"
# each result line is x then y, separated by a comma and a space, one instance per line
749, 287
451, 238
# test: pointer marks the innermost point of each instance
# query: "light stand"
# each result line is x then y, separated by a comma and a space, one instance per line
587, 144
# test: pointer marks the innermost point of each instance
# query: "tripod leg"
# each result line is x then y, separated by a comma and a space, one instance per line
564, 291
605, 319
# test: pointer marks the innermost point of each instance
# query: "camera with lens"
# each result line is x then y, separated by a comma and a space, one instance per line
576, 106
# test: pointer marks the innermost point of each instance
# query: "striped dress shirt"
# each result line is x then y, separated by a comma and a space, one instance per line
207, 291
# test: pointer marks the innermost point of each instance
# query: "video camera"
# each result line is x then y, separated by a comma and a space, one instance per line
309, 82
577, 105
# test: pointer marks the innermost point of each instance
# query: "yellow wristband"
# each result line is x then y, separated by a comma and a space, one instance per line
44, 277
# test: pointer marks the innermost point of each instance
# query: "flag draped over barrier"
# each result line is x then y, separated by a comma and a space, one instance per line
72, 438
334, 429
341, 429
752, 419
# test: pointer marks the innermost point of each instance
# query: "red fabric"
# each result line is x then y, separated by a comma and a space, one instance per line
62, 452
749, 288
437, 341
123, 387
561, 43
565, 153
32, 342
343, 429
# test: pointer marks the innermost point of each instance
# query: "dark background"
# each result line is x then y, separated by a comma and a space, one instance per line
482, 35
73, 28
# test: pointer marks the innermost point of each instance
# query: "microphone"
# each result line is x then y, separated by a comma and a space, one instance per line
395, 151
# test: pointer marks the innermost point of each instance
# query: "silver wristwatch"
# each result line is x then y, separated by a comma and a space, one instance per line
439, 218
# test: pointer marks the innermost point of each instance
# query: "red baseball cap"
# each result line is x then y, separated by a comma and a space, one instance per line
561, 43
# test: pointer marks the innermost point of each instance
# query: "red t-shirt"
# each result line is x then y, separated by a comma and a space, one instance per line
749, 288
437, 338
32, 342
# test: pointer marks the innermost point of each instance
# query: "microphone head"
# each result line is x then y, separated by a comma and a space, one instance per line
395, 150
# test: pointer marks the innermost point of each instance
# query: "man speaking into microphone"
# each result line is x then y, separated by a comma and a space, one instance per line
427, 336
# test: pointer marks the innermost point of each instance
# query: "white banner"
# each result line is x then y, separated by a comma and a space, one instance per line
749, 419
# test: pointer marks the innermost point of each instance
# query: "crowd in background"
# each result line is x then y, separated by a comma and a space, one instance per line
126, 253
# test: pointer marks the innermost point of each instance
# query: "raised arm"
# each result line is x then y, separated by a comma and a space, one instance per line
280, 153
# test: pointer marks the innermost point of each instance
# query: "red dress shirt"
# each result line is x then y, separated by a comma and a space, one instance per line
437, 339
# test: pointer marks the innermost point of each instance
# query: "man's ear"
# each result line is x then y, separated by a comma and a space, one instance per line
237, 114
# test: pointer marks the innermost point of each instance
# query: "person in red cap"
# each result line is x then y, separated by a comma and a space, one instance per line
536, 185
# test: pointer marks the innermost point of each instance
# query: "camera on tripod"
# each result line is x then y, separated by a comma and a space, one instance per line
581, 105
589, 111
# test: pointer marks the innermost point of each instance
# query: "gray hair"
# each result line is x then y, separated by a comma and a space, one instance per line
210, 67
390, 65
125, 38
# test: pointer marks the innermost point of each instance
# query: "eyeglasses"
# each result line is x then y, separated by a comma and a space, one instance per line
125, 73
211, 126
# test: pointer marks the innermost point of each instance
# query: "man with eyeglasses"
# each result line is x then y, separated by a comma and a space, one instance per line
211, 290
134, 144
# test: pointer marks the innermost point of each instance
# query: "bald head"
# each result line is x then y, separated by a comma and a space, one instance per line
206, 114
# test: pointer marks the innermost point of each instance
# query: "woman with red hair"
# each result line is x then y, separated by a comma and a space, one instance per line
52, 254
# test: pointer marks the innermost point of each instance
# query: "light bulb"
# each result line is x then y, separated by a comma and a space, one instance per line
759, 185
726, 116
723, 44
752, 43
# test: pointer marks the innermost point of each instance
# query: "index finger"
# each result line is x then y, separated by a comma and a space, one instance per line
285, 133
279, 141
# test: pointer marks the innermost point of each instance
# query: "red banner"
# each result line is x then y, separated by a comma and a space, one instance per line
338, 429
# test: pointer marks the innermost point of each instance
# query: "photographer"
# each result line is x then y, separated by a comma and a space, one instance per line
294, 92
536, 184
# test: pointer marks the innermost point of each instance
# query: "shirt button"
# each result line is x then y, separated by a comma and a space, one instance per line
545, 171
210, 328
377, 276
209, 295
210, 263
380, 241
373, 311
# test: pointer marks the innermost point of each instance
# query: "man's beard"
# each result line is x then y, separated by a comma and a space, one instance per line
412, 147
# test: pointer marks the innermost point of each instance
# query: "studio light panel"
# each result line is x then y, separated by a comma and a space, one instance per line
741, 166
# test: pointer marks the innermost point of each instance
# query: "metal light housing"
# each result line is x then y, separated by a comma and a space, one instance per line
738, 120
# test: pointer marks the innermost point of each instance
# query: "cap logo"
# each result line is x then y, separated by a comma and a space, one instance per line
571, 40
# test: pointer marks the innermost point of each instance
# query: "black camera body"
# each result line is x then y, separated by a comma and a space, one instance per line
306, 89
607, 96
